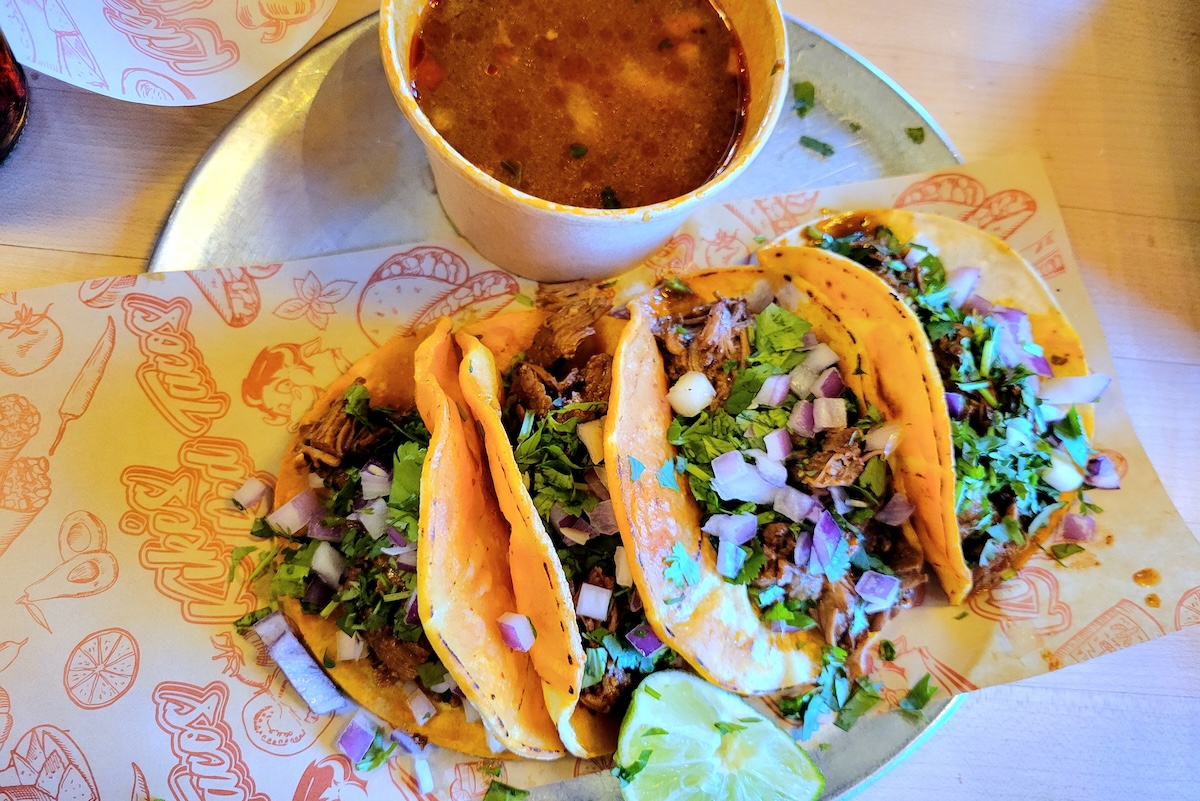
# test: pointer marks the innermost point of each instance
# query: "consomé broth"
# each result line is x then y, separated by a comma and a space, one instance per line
603, 104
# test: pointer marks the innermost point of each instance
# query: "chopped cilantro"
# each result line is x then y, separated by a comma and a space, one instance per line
756, 560
593, 668
887, 650
499, 791
804, 97
727, 728
627, 772
431, 673
358, 403
1062, 550
609, 199
556, 460
916, 134
239, 553
523, 299
250, 618
790, 612
961, 615
676, 285
626, 657
916, 698
778, 335
653, 693
853, 126
578, 150
655, 732
404, 498
817, 146
760, 239
328, 661
492, 769
636, 468
515, 169
377, 752
666, 476
682, 570
746, 385
830, 693
261, 529
864, 697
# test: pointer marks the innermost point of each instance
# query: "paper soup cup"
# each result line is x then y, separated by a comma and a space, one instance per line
549, 241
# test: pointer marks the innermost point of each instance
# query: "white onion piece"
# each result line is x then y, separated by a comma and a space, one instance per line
494, 745
749, 486
373, 517
624, 577
829, 413
838, 495
397, 550
760, 296
349, 648
304, 674
772, 472
774, 391
575, 535
1062, 474
802, 380
593, 602
355, 740
376, 482
691, 394
820, 358
729, 466
315, 481
328, 563
423, 776
801, 421
962, 283
730, 559
470, 712
419, 704
884, 438
778, 444
793, 504
591, 434
738, 529
516, 631
1073, 389
898, 509
293, 516
1052, 413
251, 494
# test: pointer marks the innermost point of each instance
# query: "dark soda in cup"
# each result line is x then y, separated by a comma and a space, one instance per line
14, 98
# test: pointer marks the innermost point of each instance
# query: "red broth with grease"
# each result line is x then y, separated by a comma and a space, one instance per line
601, 104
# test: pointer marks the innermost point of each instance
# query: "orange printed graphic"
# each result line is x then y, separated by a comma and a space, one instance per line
87, 567
472, 779
19, 422
102, 293
188, 46
909, 665
1031, 596
583, 767
1187, 611
331, 778
406, 783
190, 527
47, 765
233, 291
101, 668
1045, 256
275, 720
274, 16
774, 216
414, 288
209, 764
286, 379
29, 341
24, 492
6, 720
314, 300
174, 375
148, 86
46, 29
965, 198
9, 651
1123, 625
79, 395
141, 787
675, 257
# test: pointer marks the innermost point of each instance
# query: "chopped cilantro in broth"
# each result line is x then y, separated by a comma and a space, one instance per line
564, 99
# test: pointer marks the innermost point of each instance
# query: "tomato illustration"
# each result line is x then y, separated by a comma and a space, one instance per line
29, 341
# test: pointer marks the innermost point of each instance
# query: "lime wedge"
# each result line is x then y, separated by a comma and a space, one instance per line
684, 738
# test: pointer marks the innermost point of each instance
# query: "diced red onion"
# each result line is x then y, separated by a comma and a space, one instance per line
884, 438
293, 516
749, 486
326, 533
809, 340
412, 613
898, 509
593, 602
979, 305
328, 563
597, 481
774, 391
356, 738
374, 518
793, 504
1069, 390
783, 627
376, 481
801, 380
803, 550
730, 559
644, 640
304, 674
802, 421
559, 516
349, 648
771, 471
1014, 343
760, 296
879, 590
778, 444
1051, 413
1078, 528
1102, 473
317, 593
470, 712
516, 631
956, 403
691, 394
408, 743
1062, 474
271, 628
251, 494
829, 413
838, 495
738, 529
624, 577
962, 283
829, 384
406, 560
729, 466
826, 537
814, 514
603, 519
396, 538
820, 358
419, 704
446, 685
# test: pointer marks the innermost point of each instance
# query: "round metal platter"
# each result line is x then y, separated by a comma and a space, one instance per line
322, 162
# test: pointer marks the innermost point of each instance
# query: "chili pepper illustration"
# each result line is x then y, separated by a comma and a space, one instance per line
79, 396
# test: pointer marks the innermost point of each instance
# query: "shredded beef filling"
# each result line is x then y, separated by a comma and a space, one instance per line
399, 660
324, 443
704, 339
838, 463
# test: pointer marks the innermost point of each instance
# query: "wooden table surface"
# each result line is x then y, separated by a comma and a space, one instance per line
1106, 91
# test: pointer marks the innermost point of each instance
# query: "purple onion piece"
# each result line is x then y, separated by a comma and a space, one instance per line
962, 283
956, 403
596, 484
271, 628
829, 384
406, 742
324, 533
802, 421
395, 537
803, 550
839, 496
1078, 528
826, 538
738, 529
729, 466
644, 640
778, 444
783, 627
809, 340
793, 504
1102, 473
356, 738
979, 305
602, 519
412, 615
898, 509
318, 593
878, 590
304, 674
730, 559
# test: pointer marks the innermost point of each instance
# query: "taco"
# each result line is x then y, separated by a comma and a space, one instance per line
1012, 384
540, 391
767, 462
394, 568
